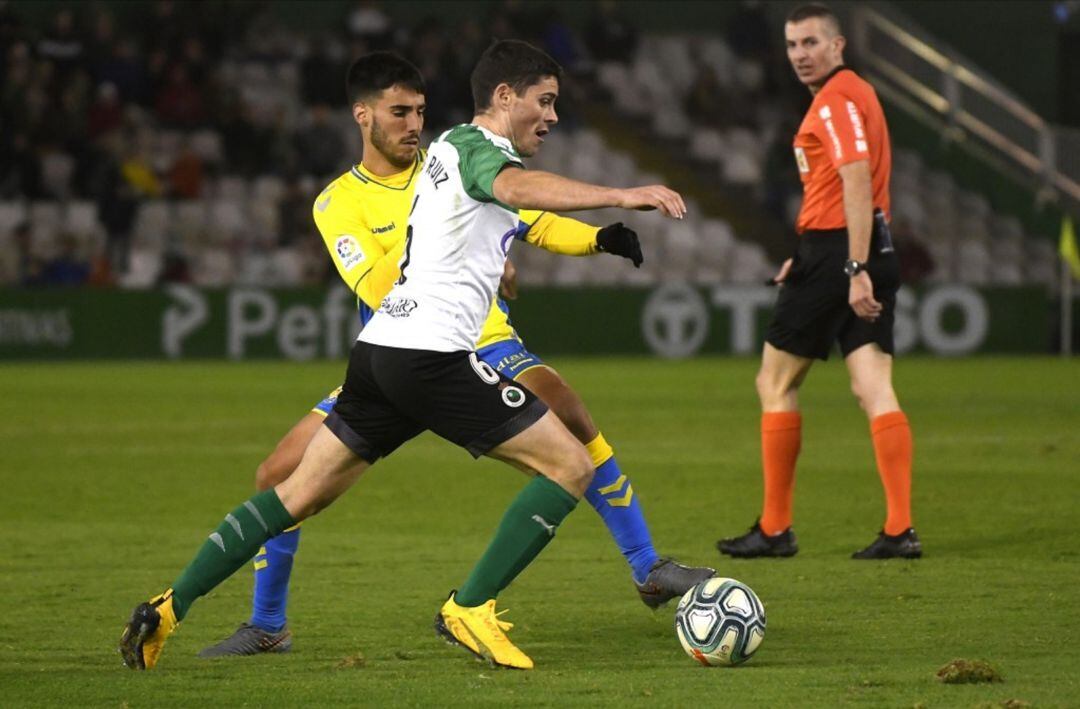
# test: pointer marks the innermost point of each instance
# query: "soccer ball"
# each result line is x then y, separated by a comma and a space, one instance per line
720, 622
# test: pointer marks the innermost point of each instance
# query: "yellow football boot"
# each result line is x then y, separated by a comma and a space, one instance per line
145, 634
479, 631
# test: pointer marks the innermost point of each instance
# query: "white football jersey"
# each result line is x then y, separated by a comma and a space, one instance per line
456, 245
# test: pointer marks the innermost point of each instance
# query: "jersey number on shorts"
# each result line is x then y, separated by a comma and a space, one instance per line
483, 369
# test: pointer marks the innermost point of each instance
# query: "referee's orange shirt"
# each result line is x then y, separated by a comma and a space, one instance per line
844, 124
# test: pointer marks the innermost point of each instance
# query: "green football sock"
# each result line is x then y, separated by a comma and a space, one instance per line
229, 547
525, 529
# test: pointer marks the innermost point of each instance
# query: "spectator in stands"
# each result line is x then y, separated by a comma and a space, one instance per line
709, 102
610, 37
916, 263
186, 174
180, 103
20, 168
27, 267
68, 268
294, 212
121, 68
106, 113
61, 45
321, 72
368, 23
175, 268
320, 145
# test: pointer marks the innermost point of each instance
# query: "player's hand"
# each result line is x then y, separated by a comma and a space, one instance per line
861, 297
669, 202
508, 282
782, 274
621, 241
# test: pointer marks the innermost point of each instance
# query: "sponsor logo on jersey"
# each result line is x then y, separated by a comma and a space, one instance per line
322, 204
383, 229
398, 307
856, 125
504, 242
349, 251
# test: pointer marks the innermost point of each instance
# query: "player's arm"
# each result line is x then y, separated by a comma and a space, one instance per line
841, 128
858, 207
563, 235
364, 265
535, 189
859, 214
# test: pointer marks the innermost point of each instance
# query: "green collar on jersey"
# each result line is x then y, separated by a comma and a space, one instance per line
368, 180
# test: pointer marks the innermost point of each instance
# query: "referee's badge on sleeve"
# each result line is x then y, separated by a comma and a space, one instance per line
800, 160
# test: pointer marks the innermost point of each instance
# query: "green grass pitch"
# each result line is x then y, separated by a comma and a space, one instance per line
111, 475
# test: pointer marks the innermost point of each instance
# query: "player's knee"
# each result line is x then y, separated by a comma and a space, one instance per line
582, 469
574, 471
772, 388
872, 395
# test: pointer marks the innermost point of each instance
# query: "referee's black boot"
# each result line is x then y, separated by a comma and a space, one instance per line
905, 545
756, 543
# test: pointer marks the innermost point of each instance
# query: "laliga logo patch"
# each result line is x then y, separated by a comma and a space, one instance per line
348, 251
513, 397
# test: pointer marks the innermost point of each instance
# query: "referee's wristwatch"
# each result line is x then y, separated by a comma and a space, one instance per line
853, 268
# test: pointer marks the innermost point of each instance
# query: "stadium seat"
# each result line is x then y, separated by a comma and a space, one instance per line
670, 122
716, 53
612, 76
227, 221
189, 222
144, 267
707, 145
741, 168
9, 261
1041, 267
265, 218
12, 214
232, 188
973, 262
749, 264
749, 75
214, 268
269, 188
56, 170
152, 223
207, 145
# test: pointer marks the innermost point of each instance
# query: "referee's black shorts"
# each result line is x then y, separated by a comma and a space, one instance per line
392, 394
812, 311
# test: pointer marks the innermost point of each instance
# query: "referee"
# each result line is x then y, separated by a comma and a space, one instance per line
839, 287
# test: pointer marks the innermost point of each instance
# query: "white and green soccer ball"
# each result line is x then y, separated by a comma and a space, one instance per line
720, 622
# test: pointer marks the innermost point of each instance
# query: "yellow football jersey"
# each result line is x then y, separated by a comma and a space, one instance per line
363, 219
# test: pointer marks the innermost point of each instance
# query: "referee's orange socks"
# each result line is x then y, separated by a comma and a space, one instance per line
892, 449
781, 437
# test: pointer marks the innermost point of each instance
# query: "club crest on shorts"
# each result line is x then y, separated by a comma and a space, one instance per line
513, 396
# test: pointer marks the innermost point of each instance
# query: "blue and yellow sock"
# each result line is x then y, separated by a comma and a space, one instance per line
273, 566
612, 496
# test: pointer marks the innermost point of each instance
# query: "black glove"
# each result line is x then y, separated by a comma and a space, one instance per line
621, 241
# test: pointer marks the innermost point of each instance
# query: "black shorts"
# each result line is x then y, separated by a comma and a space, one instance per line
392, 394
812, 311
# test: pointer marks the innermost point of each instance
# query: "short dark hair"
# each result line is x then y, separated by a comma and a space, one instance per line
378, 71
513, 62
814, 9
